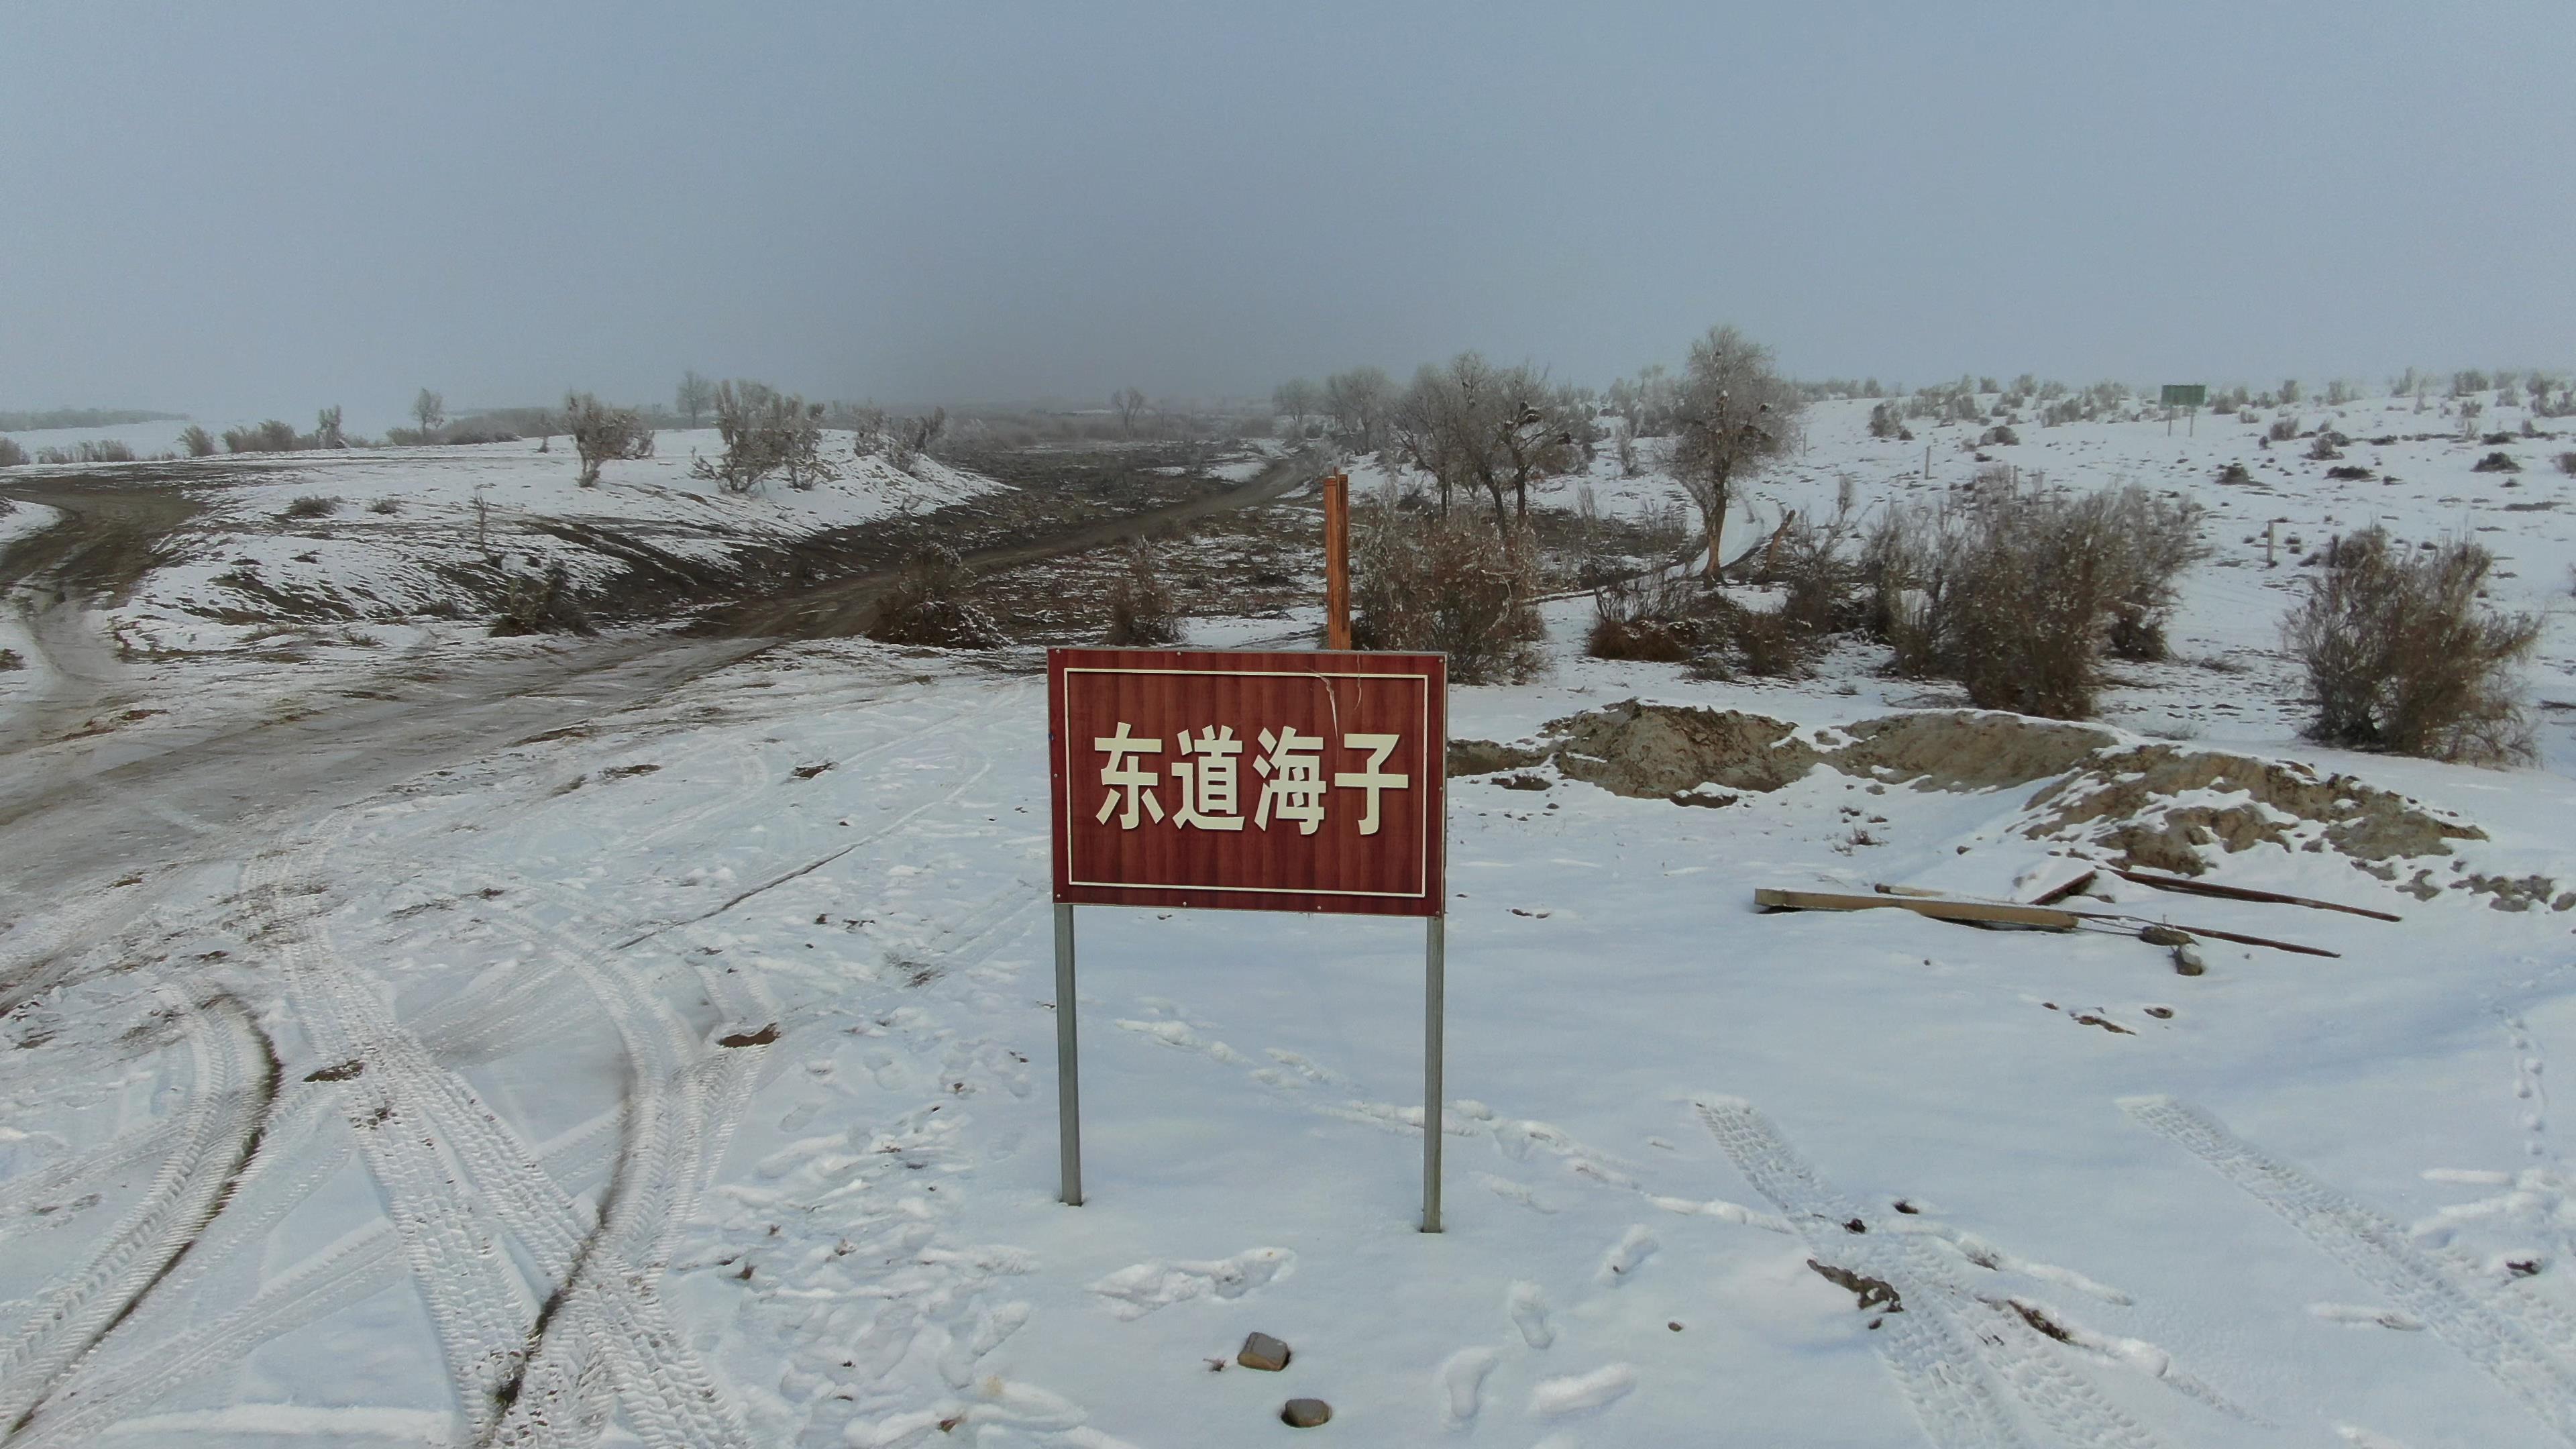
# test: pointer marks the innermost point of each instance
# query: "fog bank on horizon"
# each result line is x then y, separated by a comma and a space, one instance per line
267, 208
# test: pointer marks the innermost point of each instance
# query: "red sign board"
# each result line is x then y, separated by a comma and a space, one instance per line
1249, 781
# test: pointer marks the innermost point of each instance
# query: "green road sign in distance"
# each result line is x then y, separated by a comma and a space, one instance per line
2186, 394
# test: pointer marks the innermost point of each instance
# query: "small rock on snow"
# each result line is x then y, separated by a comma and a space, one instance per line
1305, 1413
1261, 1351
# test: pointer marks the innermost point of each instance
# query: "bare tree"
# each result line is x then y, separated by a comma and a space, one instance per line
1734, 417
1472, 424
1130, 404
1297, 400
430, 410
695, 397
326, 429
1361, 402
601, 432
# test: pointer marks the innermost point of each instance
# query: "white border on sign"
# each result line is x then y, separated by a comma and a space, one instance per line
1064, 732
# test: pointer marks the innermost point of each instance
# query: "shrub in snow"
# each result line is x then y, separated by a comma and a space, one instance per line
1141, 610
198, 442
2496, 462
274, 436
91, 451
1453, 583
2567, 464
2323, 449
766, 433
1662, 616
312, 505
11, 455
2400, 656
2001, 435
930, 603
2018, 595
600, 432
2283, 430
1884, 421
542, 605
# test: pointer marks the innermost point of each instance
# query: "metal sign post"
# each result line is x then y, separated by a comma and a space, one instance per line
1237, 780
1337, 561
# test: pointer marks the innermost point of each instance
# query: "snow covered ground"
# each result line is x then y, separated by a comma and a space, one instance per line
713, 1039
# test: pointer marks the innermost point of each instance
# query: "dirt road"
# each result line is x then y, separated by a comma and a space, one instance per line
101, 810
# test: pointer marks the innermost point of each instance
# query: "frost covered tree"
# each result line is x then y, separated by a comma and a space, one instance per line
766, 434
1297, 400
430, 411
695, 397
1360, 401
600, 432
1735, 417
1470, 424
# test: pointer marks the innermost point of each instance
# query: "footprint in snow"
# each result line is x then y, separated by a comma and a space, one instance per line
1582, 1393
1634, 1247
1527, 1303
1462, 1385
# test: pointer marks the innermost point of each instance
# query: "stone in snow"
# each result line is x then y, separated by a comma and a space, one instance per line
1305, 1413
1261, 1351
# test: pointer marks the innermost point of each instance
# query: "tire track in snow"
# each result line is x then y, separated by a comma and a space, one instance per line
2489, 1331
1965, 1360
217, 1136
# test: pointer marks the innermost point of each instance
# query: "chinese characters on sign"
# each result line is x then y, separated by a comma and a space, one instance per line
1260, 781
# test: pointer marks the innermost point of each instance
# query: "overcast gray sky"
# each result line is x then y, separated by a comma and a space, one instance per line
264, 208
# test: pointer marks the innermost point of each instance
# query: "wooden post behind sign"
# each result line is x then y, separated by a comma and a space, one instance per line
1337, 561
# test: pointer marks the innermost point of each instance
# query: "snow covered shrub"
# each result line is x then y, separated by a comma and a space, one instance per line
544, 604
1902, 564
1141, 610
600, 433
385, 505
1808, 559
2401, 657
311, 505
2567, 464
2496, 462
198, 442
2000, 435
9, 660
1455, 584
766, 433
2323, 449
930, 601
2283, 430
1884, 421
11, 455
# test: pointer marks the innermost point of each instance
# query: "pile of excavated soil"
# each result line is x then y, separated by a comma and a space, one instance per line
2152, 806
2160, 807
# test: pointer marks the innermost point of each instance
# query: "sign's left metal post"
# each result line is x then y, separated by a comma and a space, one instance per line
1068, 1069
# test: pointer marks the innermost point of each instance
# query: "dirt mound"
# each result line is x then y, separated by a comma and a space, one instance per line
1967, 749
2151, 805
2154, 806
1658, 750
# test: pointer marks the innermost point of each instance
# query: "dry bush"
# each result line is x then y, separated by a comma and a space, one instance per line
311, 505
1142, 613
2019, 595
385, 505
1808, 559
2496, 462
1451, 584
931, 602
2567, 464
1768, 642
274, 436
91, 451
600, 433
2401, 657
11, 455
2283, 430
544, 604
198, 442
1661, 616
